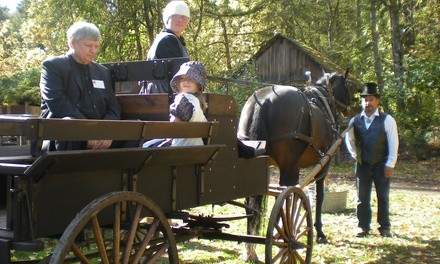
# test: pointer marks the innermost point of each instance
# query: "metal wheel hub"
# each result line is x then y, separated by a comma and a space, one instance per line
295, 244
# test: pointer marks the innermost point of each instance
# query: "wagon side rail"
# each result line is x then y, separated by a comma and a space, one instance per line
38, 130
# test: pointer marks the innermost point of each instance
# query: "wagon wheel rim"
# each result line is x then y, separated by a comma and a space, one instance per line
290, 229
124, 227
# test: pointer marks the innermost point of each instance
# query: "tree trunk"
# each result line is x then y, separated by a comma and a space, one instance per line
376, 54
409, 35
226, 44
393, 10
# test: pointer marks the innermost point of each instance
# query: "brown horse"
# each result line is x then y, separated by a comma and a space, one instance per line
298, 127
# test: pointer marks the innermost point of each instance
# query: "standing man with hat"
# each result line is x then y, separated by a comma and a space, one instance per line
169, 43
373, 142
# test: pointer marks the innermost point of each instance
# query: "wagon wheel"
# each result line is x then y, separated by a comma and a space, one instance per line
290, 228
119, 227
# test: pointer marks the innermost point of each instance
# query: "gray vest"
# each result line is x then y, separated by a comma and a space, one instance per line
371, 143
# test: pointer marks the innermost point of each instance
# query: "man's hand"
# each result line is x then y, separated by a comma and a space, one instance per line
388, 172
99, 144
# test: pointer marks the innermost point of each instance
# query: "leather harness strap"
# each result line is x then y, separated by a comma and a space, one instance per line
301, 136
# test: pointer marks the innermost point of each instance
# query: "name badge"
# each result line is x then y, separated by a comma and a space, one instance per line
98, 84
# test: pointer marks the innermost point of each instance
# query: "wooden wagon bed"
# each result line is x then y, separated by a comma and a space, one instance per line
40, 195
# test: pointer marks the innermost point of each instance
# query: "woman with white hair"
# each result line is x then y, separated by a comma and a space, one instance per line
169, 43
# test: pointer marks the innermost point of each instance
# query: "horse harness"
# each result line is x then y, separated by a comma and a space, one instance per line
322, 103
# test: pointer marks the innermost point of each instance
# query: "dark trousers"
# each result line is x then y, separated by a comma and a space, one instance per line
366, 174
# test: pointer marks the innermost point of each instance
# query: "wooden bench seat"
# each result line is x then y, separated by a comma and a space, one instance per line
39, 129
221, 109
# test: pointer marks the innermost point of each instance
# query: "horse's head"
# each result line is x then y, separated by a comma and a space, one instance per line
343, 91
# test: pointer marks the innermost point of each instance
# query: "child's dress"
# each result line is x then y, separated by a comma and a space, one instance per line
187, 108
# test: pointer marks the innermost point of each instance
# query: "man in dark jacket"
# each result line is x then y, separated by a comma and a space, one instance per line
373, 142
74, 86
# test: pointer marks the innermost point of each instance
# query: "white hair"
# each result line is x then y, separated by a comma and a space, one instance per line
83, 30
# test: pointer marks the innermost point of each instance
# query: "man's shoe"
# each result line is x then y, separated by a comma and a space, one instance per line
363, 233
385, 233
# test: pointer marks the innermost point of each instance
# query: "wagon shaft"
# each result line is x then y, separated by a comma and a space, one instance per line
324, 160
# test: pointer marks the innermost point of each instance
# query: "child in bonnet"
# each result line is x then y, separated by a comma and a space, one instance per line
188, 104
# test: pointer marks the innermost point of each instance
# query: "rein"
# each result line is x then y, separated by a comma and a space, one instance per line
245, 82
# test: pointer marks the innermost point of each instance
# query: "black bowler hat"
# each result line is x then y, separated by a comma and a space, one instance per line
370, 89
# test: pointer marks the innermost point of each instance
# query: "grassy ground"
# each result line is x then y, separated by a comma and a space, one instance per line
415, 216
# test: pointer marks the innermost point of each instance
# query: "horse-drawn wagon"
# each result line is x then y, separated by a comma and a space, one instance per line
116, 205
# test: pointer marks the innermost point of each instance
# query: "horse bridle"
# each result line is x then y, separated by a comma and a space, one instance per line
350, 91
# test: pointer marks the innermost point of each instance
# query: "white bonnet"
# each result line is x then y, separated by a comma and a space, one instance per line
175, 8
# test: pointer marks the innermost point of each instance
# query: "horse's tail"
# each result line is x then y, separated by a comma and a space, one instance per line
253, 119
256, 225
258, 128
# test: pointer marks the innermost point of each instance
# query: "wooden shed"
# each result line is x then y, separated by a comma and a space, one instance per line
284, 61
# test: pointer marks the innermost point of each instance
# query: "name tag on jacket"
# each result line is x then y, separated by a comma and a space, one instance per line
99, 84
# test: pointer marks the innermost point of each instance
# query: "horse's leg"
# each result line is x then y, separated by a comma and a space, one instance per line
253, 224
320, 236
286, 154
289, 176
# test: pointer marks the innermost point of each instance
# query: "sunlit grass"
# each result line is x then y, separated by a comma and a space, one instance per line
416, 234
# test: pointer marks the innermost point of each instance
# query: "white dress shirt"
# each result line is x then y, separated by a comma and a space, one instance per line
390, 126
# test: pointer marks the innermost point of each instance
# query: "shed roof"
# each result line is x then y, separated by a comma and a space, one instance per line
315, 55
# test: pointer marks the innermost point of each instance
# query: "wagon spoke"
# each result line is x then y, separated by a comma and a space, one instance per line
281, 232
300, 223
298, 257
295, 211
146, 241
77, 252
158, 254
132, 233
99, 240
280, 243
117, 233
280, 255
298, 215
288, 224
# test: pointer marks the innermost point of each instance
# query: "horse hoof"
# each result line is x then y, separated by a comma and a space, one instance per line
322, 240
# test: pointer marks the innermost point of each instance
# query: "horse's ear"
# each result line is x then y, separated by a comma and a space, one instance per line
346, 72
